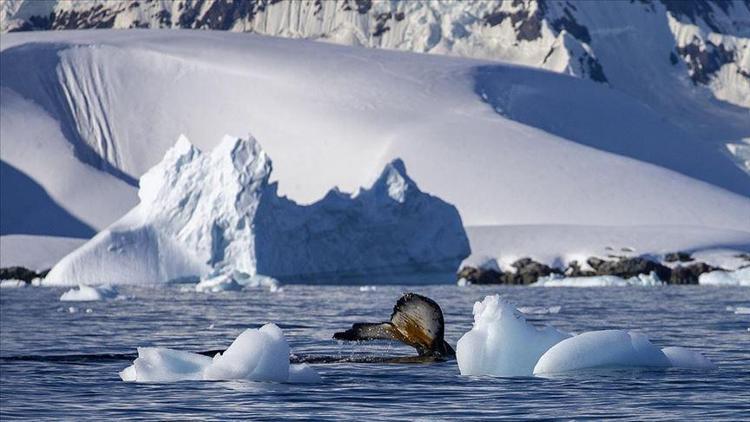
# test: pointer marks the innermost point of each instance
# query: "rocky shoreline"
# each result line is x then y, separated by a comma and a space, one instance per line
527, 271
21, 273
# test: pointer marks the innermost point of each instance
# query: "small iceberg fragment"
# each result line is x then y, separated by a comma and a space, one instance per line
601, 349
255, 355
368, 288
739, 310
86, 293
236, 280
503, 343
540, 310
554, 280
740, 277
12, 284
218, 283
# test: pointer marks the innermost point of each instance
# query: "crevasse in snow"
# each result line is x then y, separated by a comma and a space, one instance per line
207, 214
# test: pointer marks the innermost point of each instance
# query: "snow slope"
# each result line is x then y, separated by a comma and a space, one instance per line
698, 47
507, 145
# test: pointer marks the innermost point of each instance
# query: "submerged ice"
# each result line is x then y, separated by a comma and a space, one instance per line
503, 343
205, 214
255, 355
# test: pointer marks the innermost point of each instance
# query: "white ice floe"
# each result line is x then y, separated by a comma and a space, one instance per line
685, 358
12, 283
540, 310
462, 282
368, 288
235, 281
503, 343
601, 349
739, 310
740, 277
86, 293
255, 355
218, 283
599, 281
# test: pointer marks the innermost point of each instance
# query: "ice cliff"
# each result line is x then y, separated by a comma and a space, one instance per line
202, 214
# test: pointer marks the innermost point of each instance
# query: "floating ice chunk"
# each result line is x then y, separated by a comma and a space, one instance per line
462, 282
739, 310
256, 355
86, 293
157, 364
681, 357
601, 349
303, 374
739, 277
540, 310
217, 283
12, 283
257, 280
501, 342
368, 288
599, 281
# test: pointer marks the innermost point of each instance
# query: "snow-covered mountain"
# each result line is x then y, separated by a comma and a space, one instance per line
634, 46
217, 213
521, 152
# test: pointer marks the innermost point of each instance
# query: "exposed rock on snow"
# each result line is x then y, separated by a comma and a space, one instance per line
86, 293
20, 273
217, 213
623, 271
256, 355
503, 343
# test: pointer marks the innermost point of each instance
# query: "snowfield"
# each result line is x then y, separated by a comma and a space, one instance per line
86, 113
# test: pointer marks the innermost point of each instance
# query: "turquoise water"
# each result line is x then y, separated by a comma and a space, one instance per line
33, 322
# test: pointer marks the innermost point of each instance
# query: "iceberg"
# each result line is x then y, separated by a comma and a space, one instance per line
503, 343
255, 355
206, 214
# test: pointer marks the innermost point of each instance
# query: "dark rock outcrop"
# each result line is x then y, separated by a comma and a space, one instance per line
480, 276
678, 257
689, 274
20, 273
629, 267
529, 271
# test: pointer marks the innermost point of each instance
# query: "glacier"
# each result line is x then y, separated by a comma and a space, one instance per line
202, 215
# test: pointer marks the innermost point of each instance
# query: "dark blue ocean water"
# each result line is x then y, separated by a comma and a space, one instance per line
34, 322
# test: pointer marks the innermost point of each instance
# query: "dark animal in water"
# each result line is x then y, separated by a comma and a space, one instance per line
416, 320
